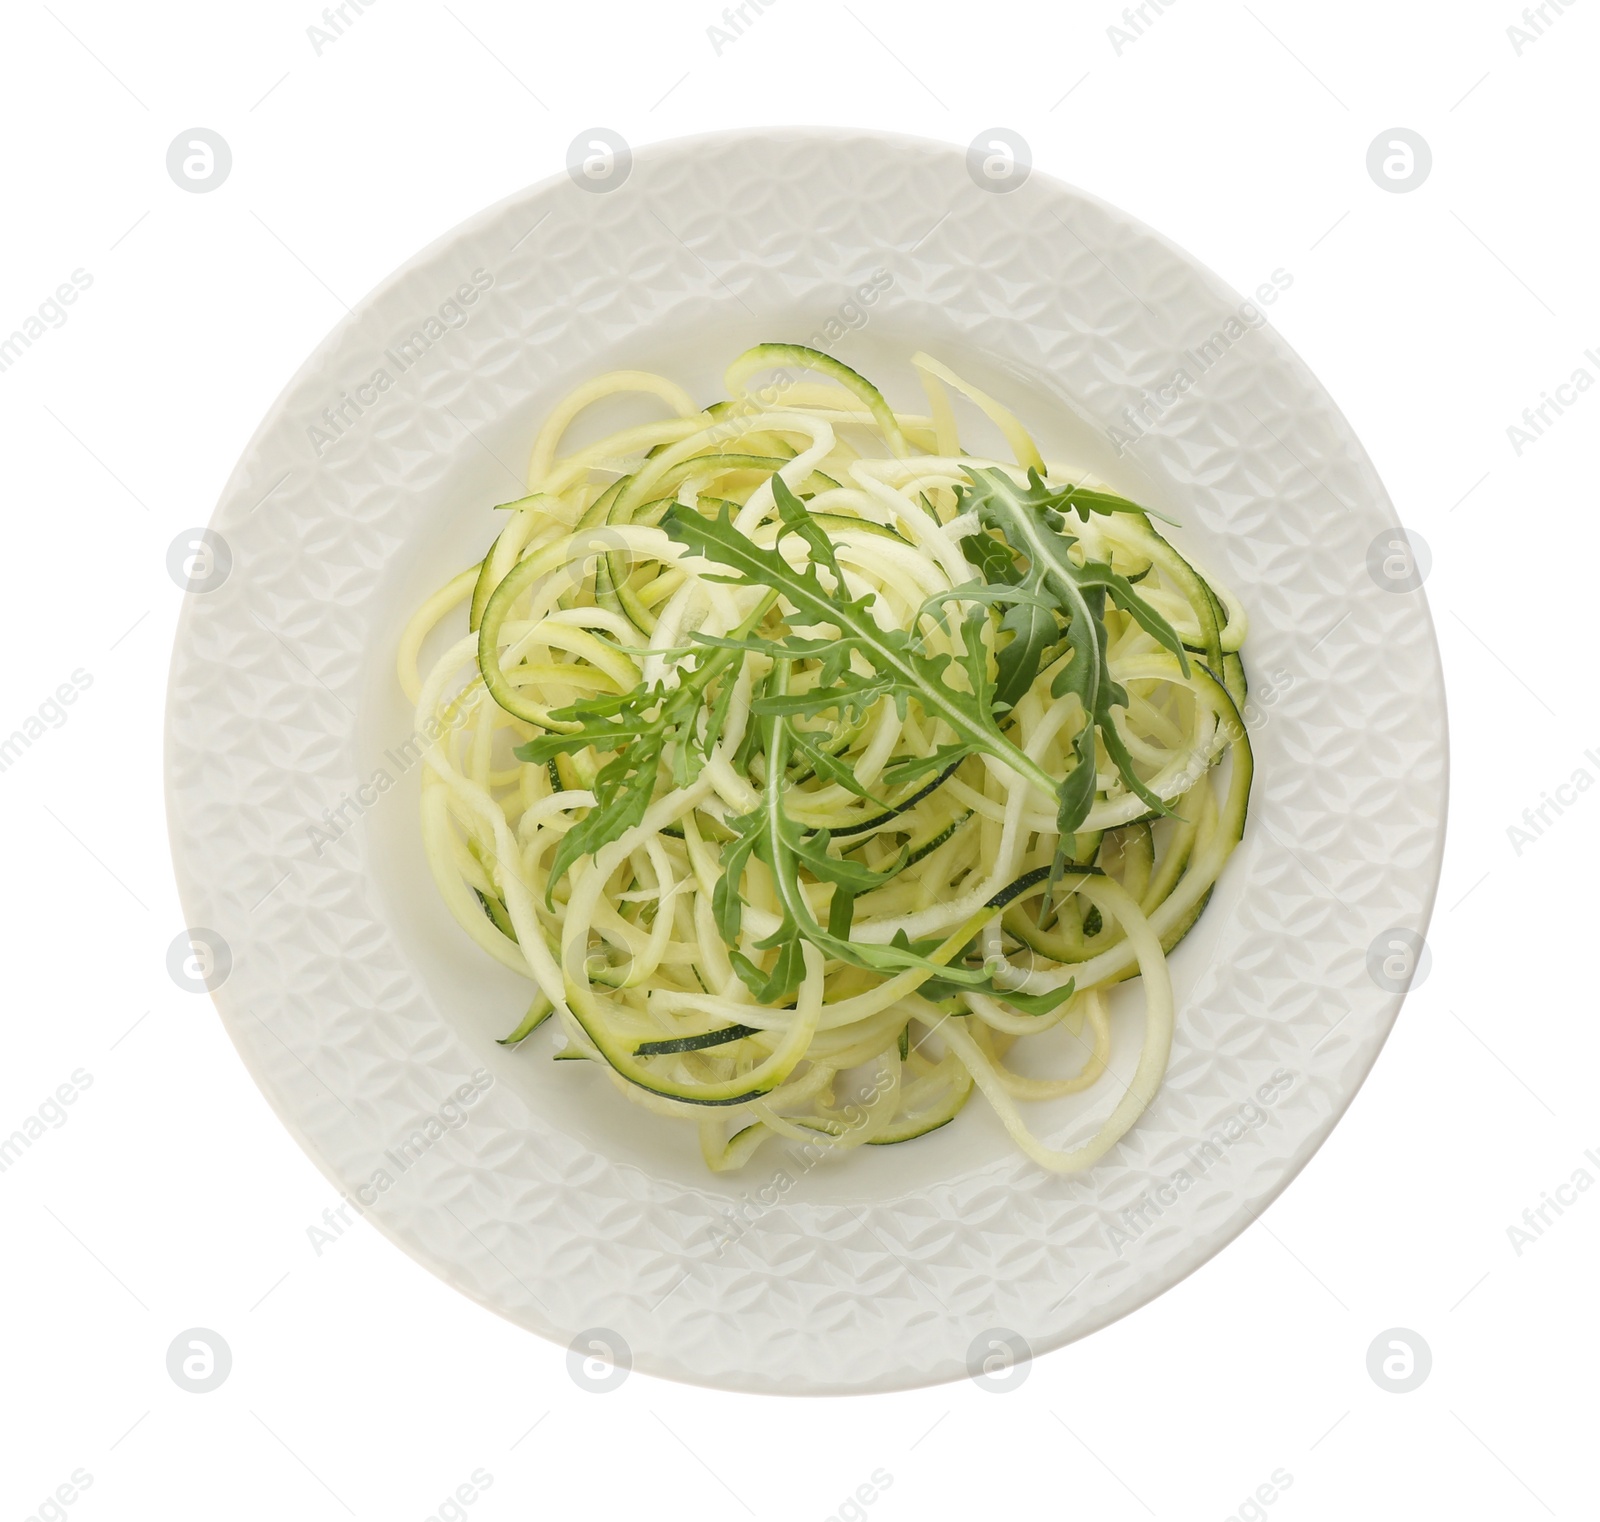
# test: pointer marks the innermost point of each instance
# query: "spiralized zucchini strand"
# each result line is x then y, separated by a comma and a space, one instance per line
806, 764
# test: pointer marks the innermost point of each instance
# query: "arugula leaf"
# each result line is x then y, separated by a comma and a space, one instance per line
910, 768
1032, 521
904, 671
830, 768
727, 901
939, 989
1035, 634
797, 519
769, 835
841, 913
640, 730
623, 790
811, 851
992, 560
852, 698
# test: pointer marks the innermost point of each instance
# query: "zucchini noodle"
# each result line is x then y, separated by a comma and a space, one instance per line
805, 763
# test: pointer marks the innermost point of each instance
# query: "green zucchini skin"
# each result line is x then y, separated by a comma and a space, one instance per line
498, 917
700, 1043
935, 1119
538, 1012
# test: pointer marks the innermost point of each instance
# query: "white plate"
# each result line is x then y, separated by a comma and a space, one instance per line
361, 1009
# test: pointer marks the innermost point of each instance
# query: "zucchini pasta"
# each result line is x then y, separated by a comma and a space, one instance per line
805, 763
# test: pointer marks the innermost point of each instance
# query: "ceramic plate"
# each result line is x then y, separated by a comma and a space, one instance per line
369, 1020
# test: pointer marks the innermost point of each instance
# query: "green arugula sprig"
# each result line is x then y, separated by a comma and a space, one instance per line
896, 664
896, 668
641, 730
768, 834
1028, 614
1056, 600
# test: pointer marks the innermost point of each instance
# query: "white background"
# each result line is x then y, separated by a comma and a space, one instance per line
171, 1198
